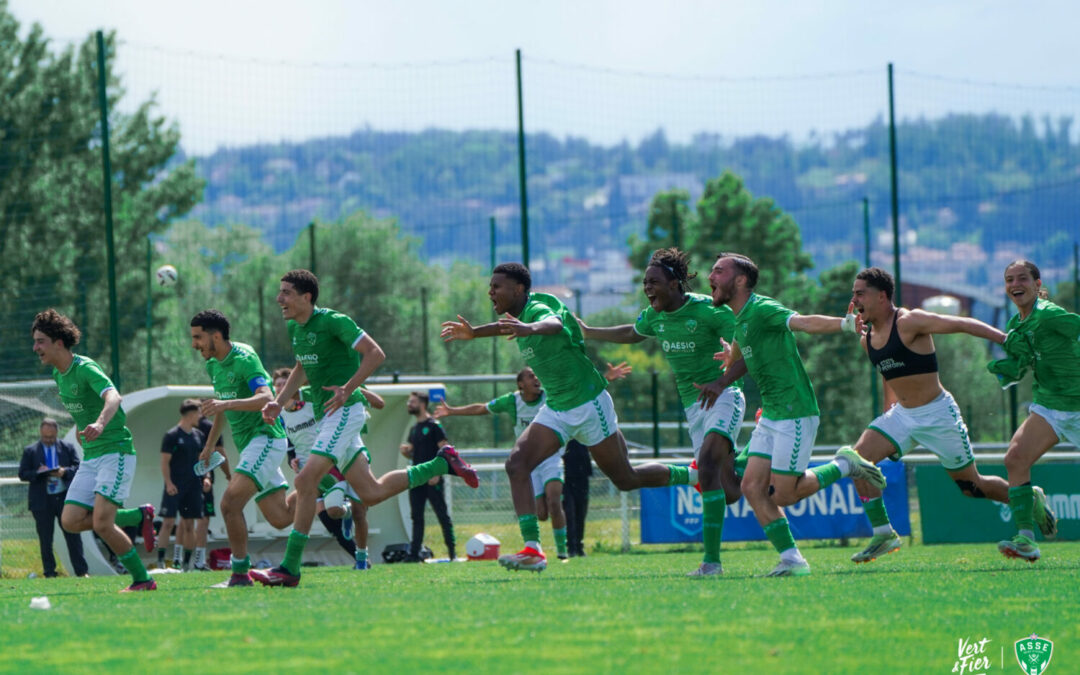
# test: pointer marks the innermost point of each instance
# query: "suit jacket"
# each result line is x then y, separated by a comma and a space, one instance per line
33, 457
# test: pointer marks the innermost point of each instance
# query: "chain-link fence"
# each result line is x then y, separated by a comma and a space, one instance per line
399, 184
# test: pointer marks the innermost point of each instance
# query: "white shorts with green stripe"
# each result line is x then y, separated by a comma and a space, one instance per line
937, 426
588, 423
722, 418
1065, 423
109, 476
550, 469
261, 462
339, 436
787, 443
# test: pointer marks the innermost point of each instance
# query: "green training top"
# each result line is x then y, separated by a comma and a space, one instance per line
237, 376
81, 388
326, 347
772, 359
1048, 343
559, 360
689, 337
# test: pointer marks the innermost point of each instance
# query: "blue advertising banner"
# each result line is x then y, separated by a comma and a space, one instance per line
673, 514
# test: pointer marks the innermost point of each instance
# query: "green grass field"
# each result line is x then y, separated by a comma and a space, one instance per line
635, 613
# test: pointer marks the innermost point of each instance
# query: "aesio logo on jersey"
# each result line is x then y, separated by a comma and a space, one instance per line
678, 346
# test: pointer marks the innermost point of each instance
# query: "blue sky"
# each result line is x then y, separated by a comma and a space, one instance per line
173, 49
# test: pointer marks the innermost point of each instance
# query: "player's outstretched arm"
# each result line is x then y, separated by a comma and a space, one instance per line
624, 334
463, 330
818, 324
374, 399
922, 322
443, 410
617, 371
512, 327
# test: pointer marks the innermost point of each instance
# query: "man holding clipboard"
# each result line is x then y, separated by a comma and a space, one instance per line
49, 465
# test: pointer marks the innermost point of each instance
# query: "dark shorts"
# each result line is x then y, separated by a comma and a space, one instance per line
208, 503
188, 502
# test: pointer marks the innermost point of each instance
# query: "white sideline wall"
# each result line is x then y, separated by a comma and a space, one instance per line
151, 412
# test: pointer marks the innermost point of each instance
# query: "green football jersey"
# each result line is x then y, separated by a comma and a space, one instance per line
1048, 343
569, 377
237, 376
81, 387
520, 410
773, 360
326, 347
690, 336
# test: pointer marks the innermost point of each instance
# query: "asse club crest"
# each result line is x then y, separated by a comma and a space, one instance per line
1033, 654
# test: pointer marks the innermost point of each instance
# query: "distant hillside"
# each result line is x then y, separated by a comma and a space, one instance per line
974, 189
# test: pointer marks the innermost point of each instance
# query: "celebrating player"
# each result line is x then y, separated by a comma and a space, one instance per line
902, 350
781, 443
1045, 339
298, 417
241, 388
689, 328
336, 357
103, 481
577, 405
547, 479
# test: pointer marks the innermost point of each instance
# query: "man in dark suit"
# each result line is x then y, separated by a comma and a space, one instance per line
49, 465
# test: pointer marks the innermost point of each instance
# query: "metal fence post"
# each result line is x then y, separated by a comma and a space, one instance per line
894, 189
655, 413
522, 182
149, 311
110, 248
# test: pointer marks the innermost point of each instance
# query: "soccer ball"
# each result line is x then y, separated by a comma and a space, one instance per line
166, 275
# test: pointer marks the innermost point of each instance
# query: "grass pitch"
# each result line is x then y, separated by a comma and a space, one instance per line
905, 613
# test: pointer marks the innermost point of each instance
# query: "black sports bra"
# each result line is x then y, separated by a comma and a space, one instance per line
896, 360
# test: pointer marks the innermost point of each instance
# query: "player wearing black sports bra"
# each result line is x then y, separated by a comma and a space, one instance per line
900, 344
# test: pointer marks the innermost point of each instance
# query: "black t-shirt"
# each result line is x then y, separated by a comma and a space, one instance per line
424, 438
184, 448
205, 425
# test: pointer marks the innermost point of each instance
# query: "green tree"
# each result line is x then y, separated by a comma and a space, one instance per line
52, 252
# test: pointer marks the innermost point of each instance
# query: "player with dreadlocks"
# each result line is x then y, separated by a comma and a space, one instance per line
689, 328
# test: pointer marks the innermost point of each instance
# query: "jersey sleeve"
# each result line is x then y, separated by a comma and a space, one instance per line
345, 329
253, 373
95, 378
503, 404
722, 321
537, 311
168, 442
1066, 324
775, 316
643, 325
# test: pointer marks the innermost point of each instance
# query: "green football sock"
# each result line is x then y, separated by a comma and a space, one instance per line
422, 473
827, 474
713, 506
240, 566
530, 527
875, 511
680, 475
129, 517
779, 533
294, 552
361, 554
560, 540
1022, 505
133, 564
